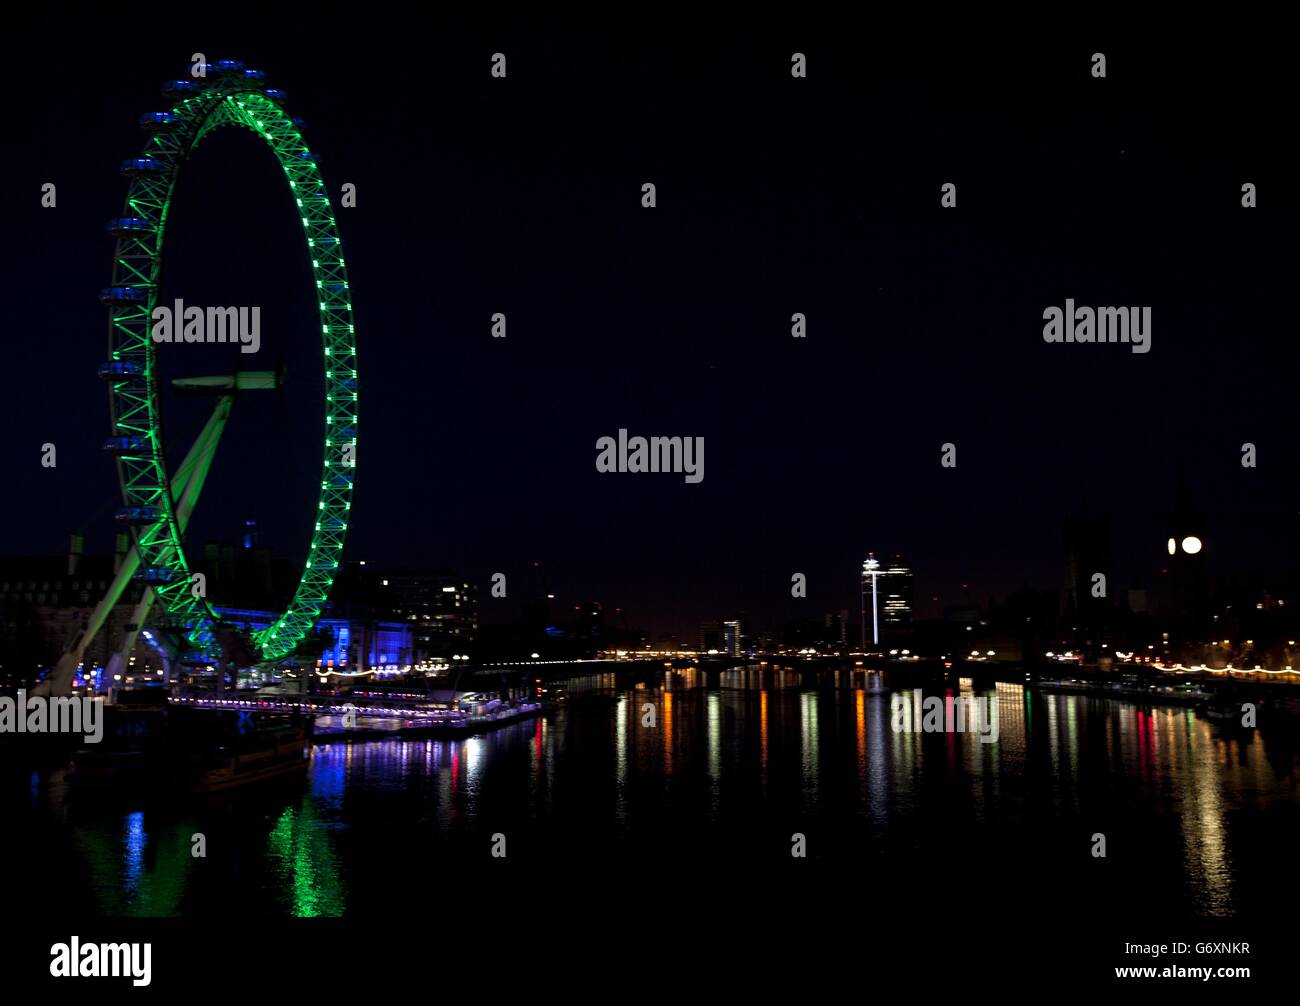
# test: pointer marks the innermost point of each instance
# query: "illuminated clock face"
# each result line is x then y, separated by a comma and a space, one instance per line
1191, 545
1173, 546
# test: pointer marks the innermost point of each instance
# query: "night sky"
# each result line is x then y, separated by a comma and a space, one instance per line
775, 195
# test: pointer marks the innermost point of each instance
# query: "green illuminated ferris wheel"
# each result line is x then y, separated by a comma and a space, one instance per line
155, 506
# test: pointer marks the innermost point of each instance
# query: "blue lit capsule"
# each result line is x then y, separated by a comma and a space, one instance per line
112, 296
120, 370
138, 516
155, 574
140, 166
158, 121
126, 445
120, 226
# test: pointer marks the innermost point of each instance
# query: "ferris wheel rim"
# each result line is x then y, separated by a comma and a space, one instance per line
237, 97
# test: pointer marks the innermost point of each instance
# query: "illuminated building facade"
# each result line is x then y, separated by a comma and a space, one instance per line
895, 589
721, 637
886, 596
731, 638
441, 609
352, 644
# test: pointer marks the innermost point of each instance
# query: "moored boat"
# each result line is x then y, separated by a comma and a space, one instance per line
273, 752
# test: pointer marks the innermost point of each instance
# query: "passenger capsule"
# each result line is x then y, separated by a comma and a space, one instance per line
120, 370
122, 226
138, 516
112, 296
275, 94
257, 76
176, 87
155, 574
126, 445
158, 122
228, 66
139, 167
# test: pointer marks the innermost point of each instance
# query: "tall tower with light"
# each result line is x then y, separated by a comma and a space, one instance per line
870, 574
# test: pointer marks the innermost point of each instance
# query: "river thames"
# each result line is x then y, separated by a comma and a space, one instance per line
683, 781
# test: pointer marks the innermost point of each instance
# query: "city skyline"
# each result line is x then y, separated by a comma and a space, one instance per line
595, 373
958, 589
791, 481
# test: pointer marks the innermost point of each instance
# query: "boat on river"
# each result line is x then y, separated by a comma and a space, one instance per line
196, 753
274, 752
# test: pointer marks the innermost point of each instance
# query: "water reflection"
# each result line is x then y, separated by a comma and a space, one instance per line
304, 864
809, 747
714, 710
725, 757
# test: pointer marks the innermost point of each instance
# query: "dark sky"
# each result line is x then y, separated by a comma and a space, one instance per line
775, 195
